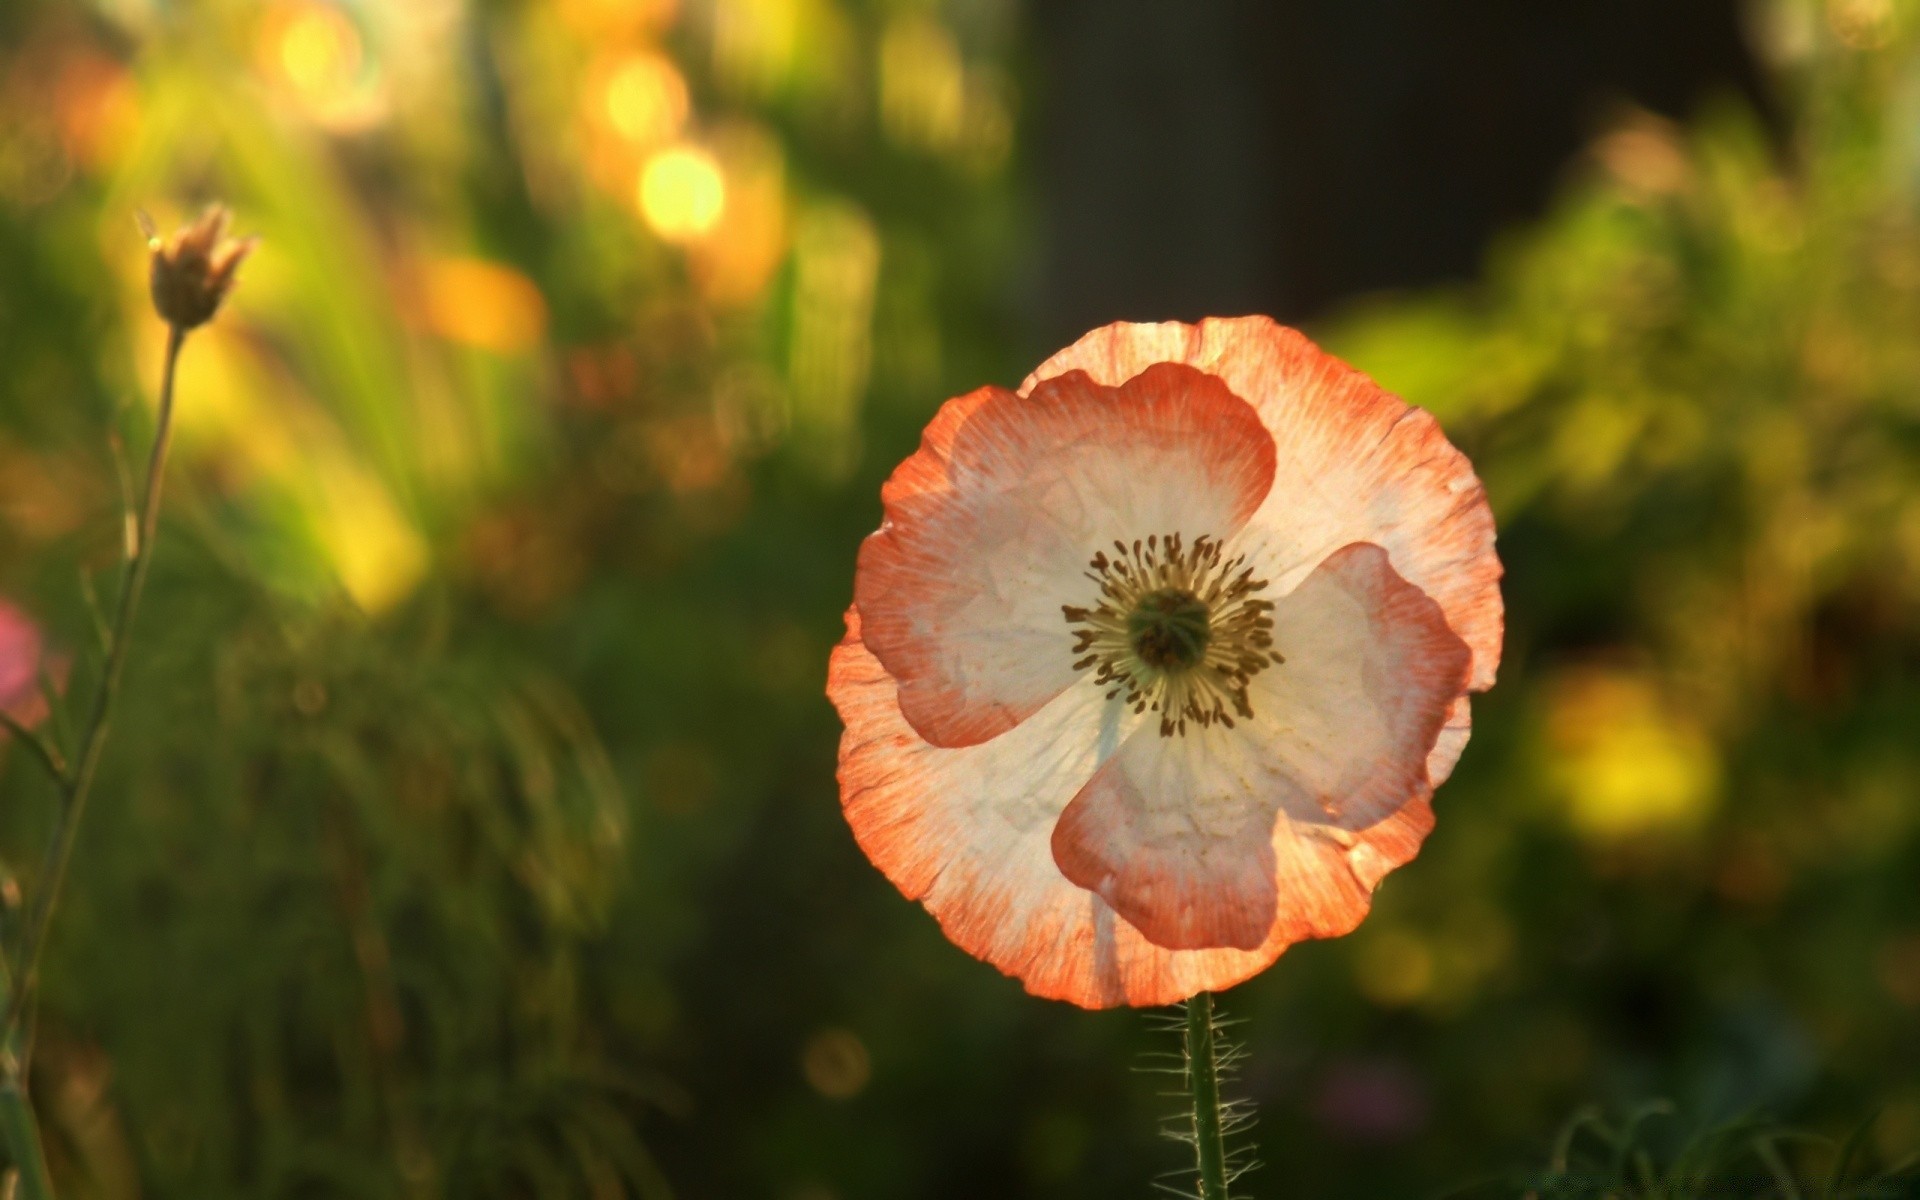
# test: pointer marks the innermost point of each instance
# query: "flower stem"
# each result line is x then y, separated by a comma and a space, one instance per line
1203, 1085
17, 1125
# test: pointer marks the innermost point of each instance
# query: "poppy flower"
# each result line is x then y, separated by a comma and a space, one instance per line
1154, 664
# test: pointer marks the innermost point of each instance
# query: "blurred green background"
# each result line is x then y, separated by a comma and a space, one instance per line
470, 828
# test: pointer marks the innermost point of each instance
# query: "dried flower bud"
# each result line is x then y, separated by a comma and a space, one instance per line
193, 268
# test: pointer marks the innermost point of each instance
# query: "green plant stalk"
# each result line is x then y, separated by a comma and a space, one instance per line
19, 1132
22, 1135
1203, 1086
17, 1123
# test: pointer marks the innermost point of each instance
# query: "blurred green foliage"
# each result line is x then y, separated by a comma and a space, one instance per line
1643, 1157
470, 829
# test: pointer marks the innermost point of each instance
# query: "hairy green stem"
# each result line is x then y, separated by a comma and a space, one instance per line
17, 1125
1203, 1086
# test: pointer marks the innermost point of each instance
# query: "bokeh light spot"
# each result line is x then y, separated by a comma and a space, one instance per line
646, 98
739, 257
319, 49
317, 55
1372, 1100
1627, 761
379, 557
483, 304
1394, 968
682, 193
755, 43
922, 83
836, 275
1862, 24
616, 18
836, 1064
1899, 968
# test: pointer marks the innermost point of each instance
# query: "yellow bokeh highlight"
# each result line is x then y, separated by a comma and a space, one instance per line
1626, 761
1436, 968
377, 554
755, 43
98, 106
319, 49
646, 98
923, 83
316, 52
1646, 156
483, 304
836, 274
43, 496
987, 123
616, 18
291, 450
682, 193
1862, 24
734, 264
1394, 967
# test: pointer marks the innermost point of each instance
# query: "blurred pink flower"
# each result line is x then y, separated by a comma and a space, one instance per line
1371, 1100
22, 655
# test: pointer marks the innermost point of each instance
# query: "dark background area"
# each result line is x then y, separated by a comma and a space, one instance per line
1247, 156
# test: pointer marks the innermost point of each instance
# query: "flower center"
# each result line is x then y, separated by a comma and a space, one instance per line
1168, 629
1177, 630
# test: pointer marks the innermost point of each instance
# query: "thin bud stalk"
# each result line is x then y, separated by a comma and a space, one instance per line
17, 1125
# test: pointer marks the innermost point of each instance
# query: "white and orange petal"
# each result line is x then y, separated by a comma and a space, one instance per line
1357, 464
1185, 836
989, 527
